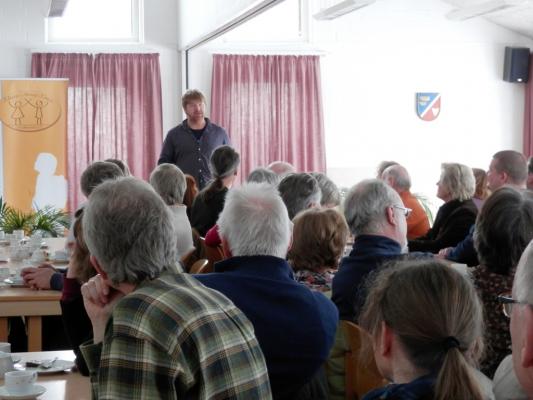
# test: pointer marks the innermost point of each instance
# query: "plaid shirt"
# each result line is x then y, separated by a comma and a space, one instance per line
174, 338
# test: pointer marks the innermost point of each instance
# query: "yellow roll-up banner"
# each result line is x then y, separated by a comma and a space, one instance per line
34, 117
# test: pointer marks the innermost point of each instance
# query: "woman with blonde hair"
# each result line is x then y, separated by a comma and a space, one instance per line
426, 325
318, 240
455, 187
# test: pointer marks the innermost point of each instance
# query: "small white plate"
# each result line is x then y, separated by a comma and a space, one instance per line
36, 390
57, 366
16, 359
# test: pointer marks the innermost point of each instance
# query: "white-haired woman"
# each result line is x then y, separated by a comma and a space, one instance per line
456, 187
170, 183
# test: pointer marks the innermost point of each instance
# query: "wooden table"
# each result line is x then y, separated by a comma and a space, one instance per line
31, 304
62, 385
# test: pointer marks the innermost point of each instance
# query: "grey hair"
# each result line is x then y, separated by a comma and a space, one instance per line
281, 168
96, 173
254, 221
514, 164
365, 204
523, 279
121, 164
169, 181
260, 175
399, 174
299, 192
330, 192
459, 180
224, 162
129, 230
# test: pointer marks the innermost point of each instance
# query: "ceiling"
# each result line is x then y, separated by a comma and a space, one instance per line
516, 15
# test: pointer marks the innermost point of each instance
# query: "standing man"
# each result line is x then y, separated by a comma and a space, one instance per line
190, 144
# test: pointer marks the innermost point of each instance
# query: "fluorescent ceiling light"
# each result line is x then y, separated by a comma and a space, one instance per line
57, 7
344, 7
461, 14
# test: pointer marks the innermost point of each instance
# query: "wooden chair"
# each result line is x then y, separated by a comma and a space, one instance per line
348, 377
199, 267
213, 254
361, 372
188, 260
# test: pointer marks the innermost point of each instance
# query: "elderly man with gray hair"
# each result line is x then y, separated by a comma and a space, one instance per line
299, 192
398, 178
294, 325
169, 182
158, 335
376, 217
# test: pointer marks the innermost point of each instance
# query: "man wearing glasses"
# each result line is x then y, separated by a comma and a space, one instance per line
520, 309
376, 217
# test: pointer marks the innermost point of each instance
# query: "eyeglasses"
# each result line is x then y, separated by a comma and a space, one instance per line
406, 211
507, 304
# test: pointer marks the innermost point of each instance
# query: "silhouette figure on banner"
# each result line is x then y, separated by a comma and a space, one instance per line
50, 189
17, 114
38, 105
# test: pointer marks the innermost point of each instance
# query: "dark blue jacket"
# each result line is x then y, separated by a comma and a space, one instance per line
465, 252
191, 155
294, 326
368, 253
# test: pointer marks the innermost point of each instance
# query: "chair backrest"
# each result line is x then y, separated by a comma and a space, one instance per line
214, 254
361, 373
199, 267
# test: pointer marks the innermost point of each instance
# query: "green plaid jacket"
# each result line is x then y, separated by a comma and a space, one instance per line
173, 338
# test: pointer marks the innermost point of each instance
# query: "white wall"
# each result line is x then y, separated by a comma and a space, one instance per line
376, 59
380, 56
22, 29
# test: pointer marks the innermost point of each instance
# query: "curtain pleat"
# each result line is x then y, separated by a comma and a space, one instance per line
114, 110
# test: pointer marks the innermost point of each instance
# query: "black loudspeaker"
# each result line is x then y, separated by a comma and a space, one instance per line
516, 66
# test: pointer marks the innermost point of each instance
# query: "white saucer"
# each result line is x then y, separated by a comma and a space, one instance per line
57, 366
36, 390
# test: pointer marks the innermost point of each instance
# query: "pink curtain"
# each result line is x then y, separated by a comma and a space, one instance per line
528, 113
271, 106
114, 110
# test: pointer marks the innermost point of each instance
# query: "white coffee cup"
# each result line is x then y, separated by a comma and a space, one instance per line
6, 363
5, 347
19, 233
20, 382
5, 272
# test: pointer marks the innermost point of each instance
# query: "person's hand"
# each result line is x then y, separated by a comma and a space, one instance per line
99, 300
38, 278
443, 254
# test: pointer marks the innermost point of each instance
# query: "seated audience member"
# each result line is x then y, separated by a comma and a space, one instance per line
482, 191
507, 168
169, 182
75, 320
45, 276
382, 166
458, 213
426, 324
121, 164
210, 201
318, 240
503, 229
398, 178
295, 326
158, 335
331, 197
260, 175
377, 218
520, 309
281, 168
299, 192
190, 193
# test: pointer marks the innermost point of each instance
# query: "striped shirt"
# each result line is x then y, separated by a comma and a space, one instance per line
173, 338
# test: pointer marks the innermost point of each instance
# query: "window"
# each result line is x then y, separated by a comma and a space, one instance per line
97, 21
